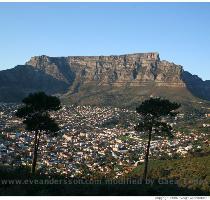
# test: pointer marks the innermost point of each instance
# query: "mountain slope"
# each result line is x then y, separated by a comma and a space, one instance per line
16, 83
191, 172
196, 85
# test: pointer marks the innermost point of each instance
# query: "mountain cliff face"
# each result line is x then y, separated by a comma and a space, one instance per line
134, 70
101, 79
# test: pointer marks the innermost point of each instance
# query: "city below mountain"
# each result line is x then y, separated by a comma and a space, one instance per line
103, 80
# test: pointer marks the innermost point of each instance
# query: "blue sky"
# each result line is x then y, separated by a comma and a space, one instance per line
180, 32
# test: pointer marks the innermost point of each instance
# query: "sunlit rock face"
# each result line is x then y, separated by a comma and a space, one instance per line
130, 69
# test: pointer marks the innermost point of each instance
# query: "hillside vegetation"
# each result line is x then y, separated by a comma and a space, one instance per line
55, 185
190, 173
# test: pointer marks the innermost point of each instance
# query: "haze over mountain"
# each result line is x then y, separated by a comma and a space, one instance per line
102, 80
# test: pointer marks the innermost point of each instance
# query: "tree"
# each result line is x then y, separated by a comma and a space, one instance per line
152, 112
37, 119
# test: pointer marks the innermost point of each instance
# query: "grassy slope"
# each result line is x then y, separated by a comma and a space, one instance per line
130, 97
191, 173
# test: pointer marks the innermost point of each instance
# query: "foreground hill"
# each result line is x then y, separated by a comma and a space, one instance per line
102, 80
191, 173
19, 182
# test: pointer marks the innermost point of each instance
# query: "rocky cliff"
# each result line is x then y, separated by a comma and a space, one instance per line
86, 76
131, 69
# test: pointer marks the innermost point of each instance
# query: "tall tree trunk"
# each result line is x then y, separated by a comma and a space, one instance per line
147, 157
33, 168
37, 146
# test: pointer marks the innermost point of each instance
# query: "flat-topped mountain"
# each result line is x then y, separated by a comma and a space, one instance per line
131, 69
102, 79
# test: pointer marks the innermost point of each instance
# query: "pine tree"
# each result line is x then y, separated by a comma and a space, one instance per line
35, 113
152, 111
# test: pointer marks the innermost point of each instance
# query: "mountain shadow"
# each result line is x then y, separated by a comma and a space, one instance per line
196, 85
18, 82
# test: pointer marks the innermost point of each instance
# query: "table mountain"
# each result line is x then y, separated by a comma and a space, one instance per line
104, 80
132, 69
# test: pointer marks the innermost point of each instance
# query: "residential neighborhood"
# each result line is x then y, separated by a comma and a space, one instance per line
92, 141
